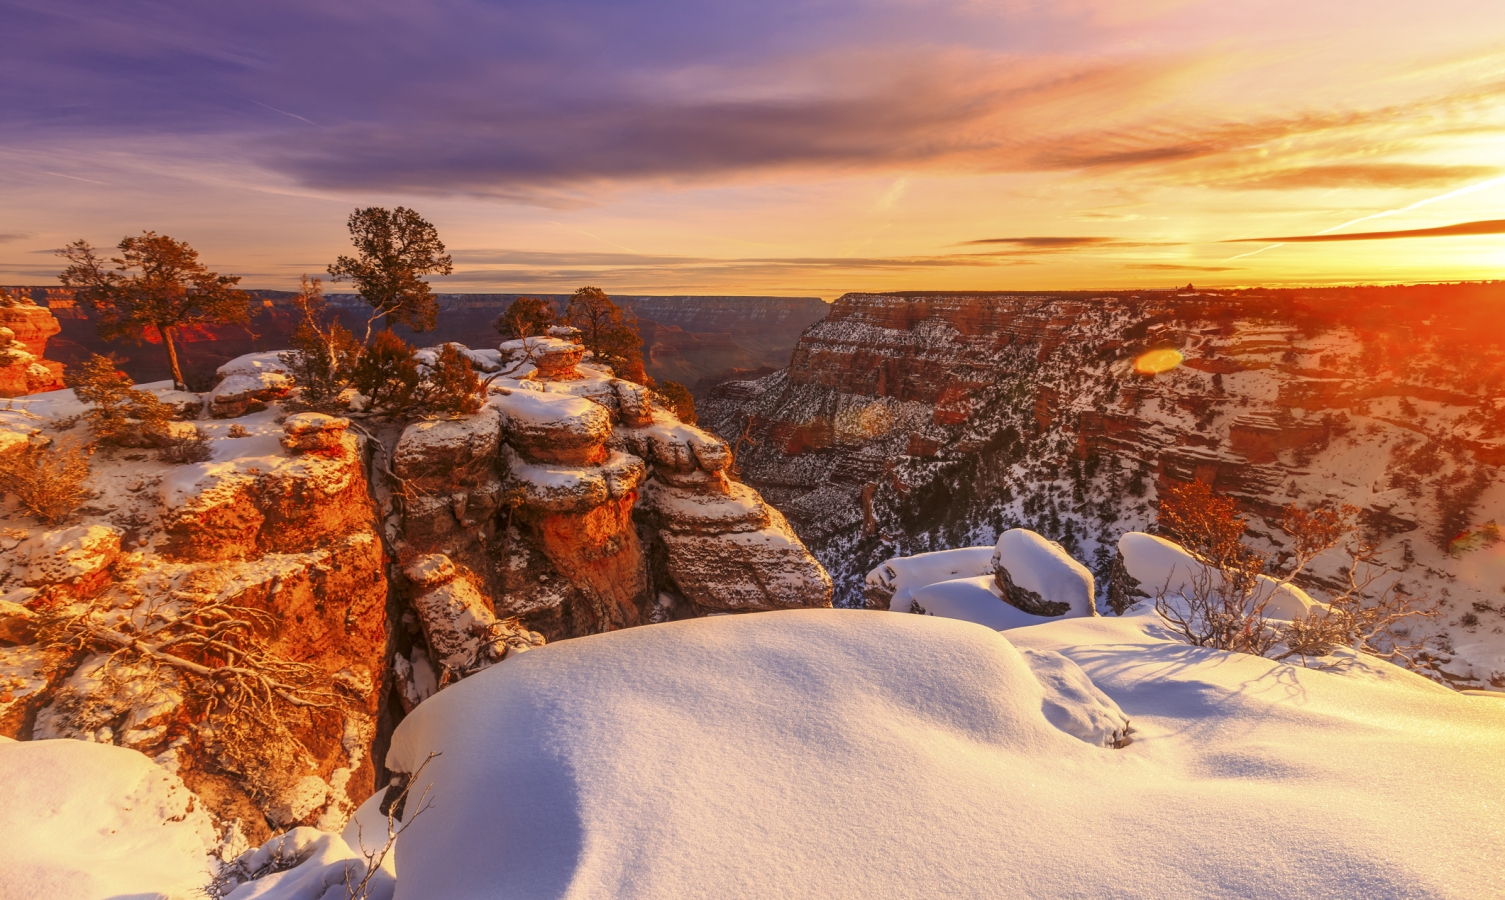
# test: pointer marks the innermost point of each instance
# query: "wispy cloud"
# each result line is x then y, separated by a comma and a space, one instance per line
1364, 175
1461, 229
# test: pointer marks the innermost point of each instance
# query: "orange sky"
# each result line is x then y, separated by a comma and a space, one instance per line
971, 145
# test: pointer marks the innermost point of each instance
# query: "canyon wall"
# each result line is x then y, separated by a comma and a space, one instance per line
921, 421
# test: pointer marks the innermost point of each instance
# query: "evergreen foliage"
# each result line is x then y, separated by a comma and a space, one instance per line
452, 386
394, 250
387, 374
525, 317
607, 333
156, 286
120, 414
678, 400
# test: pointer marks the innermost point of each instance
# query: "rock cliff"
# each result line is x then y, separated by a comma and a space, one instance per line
914, 422
258, 620
24, 330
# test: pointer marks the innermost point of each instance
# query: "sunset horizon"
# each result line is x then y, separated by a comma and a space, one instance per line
1097, 144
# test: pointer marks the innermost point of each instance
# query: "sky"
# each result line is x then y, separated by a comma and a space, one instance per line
769, 147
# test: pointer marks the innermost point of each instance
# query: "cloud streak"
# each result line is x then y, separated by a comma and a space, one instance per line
1461, 229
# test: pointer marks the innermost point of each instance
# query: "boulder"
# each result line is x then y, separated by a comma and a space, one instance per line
1040, 577
435, 450
550, 427
313, 432
79, 556
554, 358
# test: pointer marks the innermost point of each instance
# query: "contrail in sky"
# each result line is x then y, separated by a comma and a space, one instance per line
1470, 189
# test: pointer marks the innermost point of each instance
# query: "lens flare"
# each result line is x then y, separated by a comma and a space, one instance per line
1157, 361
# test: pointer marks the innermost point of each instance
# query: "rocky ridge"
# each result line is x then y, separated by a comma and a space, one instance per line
382, 559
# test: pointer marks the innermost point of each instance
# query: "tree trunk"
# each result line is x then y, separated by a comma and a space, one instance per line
172, 358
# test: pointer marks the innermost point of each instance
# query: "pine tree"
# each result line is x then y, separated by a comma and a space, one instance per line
156, 287
452, 385
395, 249
607, 332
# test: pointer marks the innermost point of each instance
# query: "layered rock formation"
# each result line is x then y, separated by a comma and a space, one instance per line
24, 330
275, 532
571, 505
914, 422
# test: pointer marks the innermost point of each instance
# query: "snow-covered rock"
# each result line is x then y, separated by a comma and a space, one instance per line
313, 432
428, 448
87, 821
1025, 561
72, 555
554, 427
252, 377
1159, 565
1074, 704
555, 358
892, 585
976, 599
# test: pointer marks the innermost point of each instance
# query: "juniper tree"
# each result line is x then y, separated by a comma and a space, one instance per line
394, 249
607, 332
156, 287
525, 317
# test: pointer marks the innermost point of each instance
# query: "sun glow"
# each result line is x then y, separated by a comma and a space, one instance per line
1159, 361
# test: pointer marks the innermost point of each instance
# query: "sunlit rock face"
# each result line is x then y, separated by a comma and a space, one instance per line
572, 505
916, 422
275, 530
24, 330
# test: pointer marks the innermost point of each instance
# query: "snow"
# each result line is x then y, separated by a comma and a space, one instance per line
84, 821
905, 574
976, 600
1043, 566
848, 754
1158, 564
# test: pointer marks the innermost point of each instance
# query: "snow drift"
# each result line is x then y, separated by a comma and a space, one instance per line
868, 755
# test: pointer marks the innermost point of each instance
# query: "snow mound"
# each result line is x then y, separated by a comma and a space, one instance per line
842, 754
976, 600
1045, 568
1161, 565
84, 820
903, 575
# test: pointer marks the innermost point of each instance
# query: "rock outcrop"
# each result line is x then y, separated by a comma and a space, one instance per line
24, 330
275, 533
571, 505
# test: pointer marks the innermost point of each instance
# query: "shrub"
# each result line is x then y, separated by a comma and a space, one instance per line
191, 446
1220, 609
387, 374
48, 482
323, 355
121, 415
452, 386
678, 400
239, 431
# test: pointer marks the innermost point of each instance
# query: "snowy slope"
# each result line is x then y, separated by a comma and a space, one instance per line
872, 755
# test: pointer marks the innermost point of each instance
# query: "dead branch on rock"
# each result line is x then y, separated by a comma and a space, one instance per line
217, 646
397, 823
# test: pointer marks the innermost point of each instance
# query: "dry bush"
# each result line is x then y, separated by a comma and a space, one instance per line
239, 431
191, 446
1220, 608
48, 481
120, 414
323, 355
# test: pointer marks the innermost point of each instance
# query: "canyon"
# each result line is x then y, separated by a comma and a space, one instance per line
697, 341
913, 422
